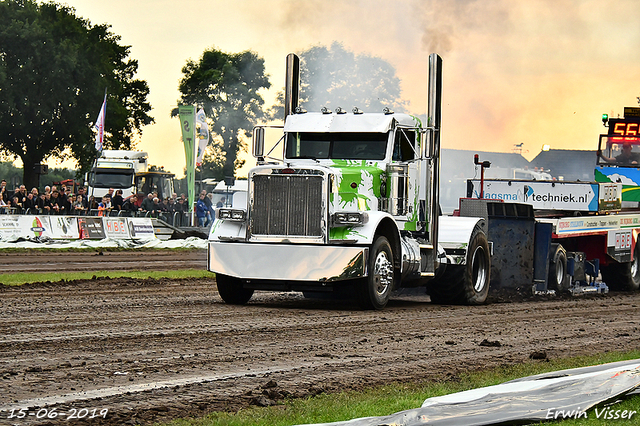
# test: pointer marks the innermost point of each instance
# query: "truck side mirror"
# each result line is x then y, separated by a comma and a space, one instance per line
258, 142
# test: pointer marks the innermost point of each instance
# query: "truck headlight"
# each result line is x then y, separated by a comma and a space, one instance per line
349, 218
232, 214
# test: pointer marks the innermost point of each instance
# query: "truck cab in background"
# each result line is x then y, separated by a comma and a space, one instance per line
128, 171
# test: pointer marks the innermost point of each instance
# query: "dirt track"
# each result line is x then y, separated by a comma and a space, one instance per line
154, 350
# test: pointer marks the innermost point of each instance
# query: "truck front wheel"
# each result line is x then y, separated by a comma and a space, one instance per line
373, 291
231, 291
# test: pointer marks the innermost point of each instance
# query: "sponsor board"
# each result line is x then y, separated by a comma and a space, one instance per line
75, 227
64, 227
557, 195
116, 227
141, 228
35, 226
9, 227
91, 228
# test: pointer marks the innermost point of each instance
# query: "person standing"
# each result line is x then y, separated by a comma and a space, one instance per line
117, 201
202, 210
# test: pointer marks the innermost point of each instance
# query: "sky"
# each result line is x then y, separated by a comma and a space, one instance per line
530, 72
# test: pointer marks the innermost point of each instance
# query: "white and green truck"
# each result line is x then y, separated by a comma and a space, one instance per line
349, 200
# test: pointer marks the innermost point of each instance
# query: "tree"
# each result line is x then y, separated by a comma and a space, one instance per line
54, 70
334, 77
226, 86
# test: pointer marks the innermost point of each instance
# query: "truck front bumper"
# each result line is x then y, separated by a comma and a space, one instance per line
257, 261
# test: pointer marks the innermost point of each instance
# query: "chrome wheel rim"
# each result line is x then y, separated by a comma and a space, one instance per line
382, 273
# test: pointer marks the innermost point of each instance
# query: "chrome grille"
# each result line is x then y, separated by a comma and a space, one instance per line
287, 205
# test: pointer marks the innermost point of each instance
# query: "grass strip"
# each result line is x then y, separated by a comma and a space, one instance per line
392, 398
35, 277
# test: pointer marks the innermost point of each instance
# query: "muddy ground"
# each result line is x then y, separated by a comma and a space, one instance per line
154, 350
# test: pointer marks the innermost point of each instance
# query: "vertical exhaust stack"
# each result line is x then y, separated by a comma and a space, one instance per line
292, 84
434, 114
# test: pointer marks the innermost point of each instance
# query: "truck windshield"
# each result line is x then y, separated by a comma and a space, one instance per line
342, 146
112, 179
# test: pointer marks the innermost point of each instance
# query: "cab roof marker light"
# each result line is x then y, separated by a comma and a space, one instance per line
325, 110
300, 110
387, 111
339, 110
357, 110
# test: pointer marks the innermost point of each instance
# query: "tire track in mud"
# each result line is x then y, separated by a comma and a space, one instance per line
153, 350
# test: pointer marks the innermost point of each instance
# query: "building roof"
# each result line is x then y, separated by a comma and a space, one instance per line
570, 164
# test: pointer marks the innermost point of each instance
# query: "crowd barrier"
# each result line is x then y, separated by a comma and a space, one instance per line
14, 227
177, 219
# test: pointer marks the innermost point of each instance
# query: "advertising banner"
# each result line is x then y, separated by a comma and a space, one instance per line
558, 195
91, 228
188, 125
35, 226
141, 228
116, 227
64, 227
9, 227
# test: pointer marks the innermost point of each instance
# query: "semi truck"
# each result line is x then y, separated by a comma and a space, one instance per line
348, 201
128, 171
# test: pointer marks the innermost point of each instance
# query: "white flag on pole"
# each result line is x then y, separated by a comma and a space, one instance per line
99, 126
203, 135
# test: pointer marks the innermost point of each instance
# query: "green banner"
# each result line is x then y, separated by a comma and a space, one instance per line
188, 124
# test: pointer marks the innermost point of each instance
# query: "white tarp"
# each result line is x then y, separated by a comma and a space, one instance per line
191, 242
551, 396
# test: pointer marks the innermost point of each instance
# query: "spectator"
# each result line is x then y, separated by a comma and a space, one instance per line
17, 206
117, 201
56, 206
77, 205
62, 195
4, 194
68, 205
30, 204
221, 202
129, 204
34, 191
44, 203
47, 190
139, 200
21, 193
207, 201
85, 200
104, 206
147, 203
171, 205
202, 210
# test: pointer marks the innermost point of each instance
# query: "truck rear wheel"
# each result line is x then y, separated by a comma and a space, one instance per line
373, 291
558, 279
231, 291
466, 284
623, 276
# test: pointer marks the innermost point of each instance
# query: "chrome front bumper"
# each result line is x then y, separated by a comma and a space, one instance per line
320, 263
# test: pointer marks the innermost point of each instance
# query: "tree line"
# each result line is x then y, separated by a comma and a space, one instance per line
55, 68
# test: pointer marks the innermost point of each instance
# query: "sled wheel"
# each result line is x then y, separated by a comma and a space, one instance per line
623, 276
558, 279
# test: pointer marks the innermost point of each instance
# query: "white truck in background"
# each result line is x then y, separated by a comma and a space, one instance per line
128, 171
